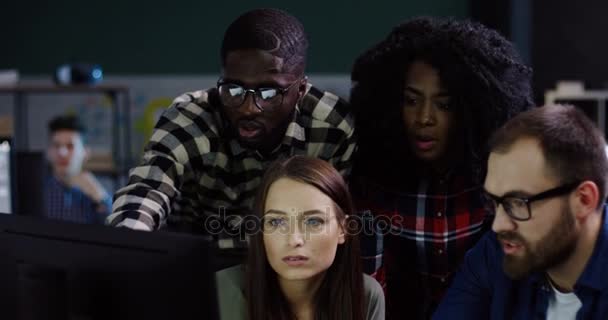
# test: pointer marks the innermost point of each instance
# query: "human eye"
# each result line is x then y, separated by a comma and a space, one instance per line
274, 222
443, 105
314, 221
268, 93
517, 207
516, 203
409, 100
231, 90
234, 90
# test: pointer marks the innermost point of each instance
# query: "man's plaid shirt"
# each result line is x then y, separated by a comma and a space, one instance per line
192, 168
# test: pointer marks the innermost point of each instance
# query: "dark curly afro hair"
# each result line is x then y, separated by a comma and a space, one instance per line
479, 68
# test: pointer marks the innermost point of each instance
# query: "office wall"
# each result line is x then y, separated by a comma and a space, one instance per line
569, 43
183, 36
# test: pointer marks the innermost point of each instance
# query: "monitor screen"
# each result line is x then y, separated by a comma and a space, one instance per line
30, 172
58, 270
6, 195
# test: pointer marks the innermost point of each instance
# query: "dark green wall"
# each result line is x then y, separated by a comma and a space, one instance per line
183, 37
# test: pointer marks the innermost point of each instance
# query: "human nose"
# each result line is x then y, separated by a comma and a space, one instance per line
63, 151
250, 104
425, 115
502, 222
295, 237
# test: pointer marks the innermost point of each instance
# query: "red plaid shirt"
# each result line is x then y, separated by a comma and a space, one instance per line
420, 238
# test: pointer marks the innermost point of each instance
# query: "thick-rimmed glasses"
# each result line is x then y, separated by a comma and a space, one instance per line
518, 208
233, 95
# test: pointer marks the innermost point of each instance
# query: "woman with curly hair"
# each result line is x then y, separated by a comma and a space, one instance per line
426, 100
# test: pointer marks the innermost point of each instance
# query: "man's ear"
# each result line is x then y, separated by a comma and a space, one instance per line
586, 199
302, 88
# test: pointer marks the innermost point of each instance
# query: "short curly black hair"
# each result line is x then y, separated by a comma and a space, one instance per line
272, 30
481, 70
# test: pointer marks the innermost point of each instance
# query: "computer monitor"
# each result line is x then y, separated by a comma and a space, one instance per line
58, 270
29, 169
22, 175
6, 180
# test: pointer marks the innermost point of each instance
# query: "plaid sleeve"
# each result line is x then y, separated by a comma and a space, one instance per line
372, 244
373, 213
341, 159
146, 201
331, 133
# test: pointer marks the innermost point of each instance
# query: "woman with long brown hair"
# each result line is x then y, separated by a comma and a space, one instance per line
304, 261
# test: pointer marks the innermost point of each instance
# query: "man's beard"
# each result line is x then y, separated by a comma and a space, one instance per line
553, 249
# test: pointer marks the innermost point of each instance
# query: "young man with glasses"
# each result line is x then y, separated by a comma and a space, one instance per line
210, 148
547, 256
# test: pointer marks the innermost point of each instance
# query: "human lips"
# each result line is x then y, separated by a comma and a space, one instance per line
510, 247
249, 129
294, 261
424, 142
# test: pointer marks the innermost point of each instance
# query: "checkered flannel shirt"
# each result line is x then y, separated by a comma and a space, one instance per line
66, 203
193, 170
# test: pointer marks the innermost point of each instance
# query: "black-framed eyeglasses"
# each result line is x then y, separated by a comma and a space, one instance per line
518, 208
233, 95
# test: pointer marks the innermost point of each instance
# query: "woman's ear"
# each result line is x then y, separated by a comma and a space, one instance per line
343, 230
